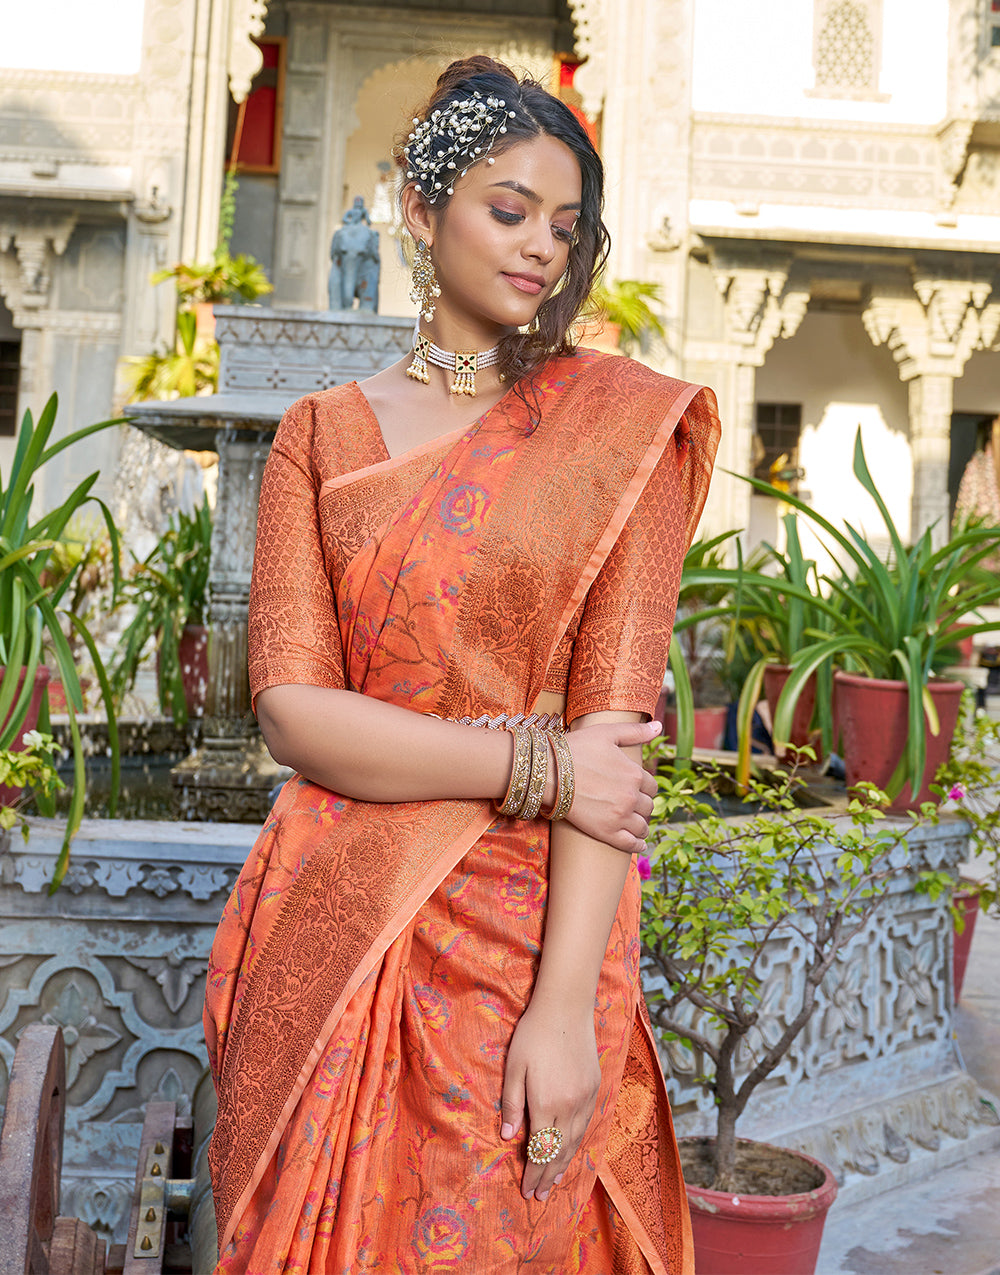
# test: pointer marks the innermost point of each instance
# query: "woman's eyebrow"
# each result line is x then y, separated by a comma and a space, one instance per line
535, 198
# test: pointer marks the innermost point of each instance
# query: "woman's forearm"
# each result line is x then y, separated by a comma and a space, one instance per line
586, 878
364, 748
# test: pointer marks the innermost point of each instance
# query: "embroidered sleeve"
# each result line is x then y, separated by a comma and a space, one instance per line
293, 636
620, 651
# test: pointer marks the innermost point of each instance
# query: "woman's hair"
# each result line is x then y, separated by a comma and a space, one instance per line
535, 113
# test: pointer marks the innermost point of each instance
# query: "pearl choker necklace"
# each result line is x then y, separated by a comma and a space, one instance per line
464, 363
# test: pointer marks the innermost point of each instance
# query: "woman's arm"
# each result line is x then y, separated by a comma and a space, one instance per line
552, 1066
373, 751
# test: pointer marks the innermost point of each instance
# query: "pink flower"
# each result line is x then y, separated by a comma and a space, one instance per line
642, 863
957, 793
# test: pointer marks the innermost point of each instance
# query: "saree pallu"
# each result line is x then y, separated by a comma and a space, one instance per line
373, 960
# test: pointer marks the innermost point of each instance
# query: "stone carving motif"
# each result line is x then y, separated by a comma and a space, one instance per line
937, 325
761, 304
846, 47
246, 22
590, 18
36, 238
118, 963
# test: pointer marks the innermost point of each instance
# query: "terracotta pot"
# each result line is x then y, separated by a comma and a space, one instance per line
709, 727
760, 1234
42, 675
873, 721
204, 317
193, 650
57, 694
775, 677
966, 899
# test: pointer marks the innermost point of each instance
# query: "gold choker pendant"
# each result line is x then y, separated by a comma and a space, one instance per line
463, 363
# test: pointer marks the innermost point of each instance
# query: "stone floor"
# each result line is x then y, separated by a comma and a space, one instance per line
949, 1223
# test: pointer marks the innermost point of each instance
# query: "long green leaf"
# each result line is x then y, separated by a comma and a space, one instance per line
684, 705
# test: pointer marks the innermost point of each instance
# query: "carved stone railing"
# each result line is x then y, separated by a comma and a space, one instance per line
117, 958
873, 1087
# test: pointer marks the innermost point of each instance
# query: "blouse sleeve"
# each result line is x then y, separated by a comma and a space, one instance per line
292, 637
620, 651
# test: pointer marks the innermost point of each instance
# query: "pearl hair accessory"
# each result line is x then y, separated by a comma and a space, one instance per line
453, 138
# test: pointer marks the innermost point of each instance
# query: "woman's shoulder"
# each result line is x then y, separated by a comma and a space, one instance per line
320, 406
592, 367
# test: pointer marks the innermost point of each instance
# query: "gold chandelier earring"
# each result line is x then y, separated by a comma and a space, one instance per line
424, 286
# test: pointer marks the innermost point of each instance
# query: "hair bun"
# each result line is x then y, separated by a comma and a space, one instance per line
464, 69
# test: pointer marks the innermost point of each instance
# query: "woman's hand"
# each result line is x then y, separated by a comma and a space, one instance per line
614, 795
552, 1076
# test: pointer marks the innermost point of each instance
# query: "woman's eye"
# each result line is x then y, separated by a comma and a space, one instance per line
565, 234
508, 218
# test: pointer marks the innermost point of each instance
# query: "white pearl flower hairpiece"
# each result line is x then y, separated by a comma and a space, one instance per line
453, 138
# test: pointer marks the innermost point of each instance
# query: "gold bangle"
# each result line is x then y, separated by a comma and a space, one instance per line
539, 774
565, 786
520, 772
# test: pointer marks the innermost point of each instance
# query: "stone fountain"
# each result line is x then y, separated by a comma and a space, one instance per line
268, 359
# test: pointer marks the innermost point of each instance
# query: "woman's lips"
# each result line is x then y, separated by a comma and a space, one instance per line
526, 283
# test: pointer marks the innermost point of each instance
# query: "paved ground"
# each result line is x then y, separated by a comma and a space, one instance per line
949, 1224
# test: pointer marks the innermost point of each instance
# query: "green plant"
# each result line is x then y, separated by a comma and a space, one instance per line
169, 589
697, 649
626, 304
970, 779
897, 619
192, 367
720, 890
225, 276
32, 610
30, 766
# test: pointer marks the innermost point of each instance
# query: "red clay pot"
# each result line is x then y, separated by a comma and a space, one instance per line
760, 1234
42, 675
873, 721
193, 651
775, 677
967, 902
709, 727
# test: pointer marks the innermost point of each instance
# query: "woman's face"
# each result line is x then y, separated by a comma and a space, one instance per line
501, 244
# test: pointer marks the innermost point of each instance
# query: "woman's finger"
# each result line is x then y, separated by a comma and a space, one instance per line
512, 1100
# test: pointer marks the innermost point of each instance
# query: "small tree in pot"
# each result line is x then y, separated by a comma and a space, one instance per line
719, 891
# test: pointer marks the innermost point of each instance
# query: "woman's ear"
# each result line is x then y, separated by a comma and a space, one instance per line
417, 215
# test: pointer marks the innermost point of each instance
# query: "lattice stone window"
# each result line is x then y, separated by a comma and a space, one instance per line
776, 448
10, 370
847, 49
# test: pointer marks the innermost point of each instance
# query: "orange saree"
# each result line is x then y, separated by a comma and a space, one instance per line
374, 960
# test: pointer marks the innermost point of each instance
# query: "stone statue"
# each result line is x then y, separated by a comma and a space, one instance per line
355, 264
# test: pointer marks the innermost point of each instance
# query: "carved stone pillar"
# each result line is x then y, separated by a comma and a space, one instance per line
930, 444
932, 327
763, 301
231, 773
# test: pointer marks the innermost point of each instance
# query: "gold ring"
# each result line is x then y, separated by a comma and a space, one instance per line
545, 1145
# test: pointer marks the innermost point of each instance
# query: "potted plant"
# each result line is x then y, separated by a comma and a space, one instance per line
969, 780
719, 890
697, 650
30, 764
169, 590
33, 604
892, 628
192, 365
621, 318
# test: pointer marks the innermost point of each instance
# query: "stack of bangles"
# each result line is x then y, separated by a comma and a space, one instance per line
530, 771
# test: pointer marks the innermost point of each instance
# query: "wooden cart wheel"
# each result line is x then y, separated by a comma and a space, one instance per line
31, 1151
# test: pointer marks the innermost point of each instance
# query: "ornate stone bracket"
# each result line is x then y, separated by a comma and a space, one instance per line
590, 18
935, 327
35, 237
246, 22
760, 304
953, 154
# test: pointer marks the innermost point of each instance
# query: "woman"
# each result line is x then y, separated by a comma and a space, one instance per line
386, 1025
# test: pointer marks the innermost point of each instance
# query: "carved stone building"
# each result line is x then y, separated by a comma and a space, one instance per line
815, 185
